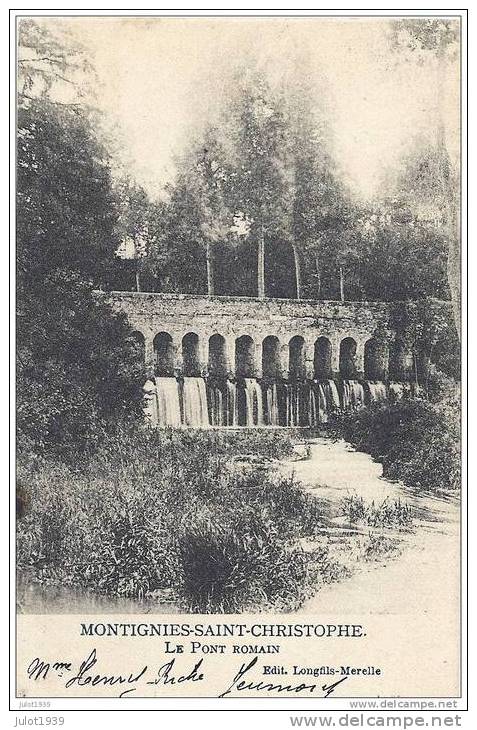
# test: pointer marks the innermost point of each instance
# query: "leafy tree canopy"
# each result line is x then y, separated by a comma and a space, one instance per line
77, 363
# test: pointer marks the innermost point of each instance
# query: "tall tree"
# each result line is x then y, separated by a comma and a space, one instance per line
52, 68
77, 364
435, 42
401, 256
195, 217
261, 184
137, 217
211, 176
263, 174
320, 201
232, 185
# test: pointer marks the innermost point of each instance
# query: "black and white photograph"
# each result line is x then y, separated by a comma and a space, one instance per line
238, 355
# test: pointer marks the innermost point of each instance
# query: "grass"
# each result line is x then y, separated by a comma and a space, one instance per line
170, 510
334, 558
182, 512
388, 513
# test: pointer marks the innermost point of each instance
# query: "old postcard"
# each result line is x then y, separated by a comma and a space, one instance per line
238, 352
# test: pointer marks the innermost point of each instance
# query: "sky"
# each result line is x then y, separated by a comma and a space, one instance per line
161, 79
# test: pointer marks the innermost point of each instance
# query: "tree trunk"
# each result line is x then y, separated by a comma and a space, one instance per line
428, 368
210, 269
261, 265
342, 296
453, 278
296, 257
452, 205
136, 256
318, 278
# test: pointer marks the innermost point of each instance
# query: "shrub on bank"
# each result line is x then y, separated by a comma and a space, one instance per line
417, 441
229, 561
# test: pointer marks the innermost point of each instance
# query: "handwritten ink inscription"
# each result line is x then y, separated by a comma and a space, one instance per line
168, 674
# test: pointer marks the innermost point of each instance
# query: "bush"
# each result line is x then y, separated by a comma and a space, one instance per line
229, 562
80, 372
418, 441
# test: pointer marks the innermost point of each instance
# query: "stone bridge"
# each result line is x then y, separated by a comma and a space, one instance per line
224, 336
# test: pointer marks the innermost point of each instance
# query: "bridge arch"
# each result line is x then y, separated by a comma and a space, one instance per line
271, 364
163, 354
348, 349
190, 355
296, 358
217, 360
139, 340
375, 353
245, 357
322, 359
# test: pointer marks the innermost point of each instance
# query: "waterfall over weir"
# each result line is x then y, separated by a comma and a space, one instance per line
248, 402
324, 399
377, 391
168, 405
272, 413
353, 395
222, 402
253, 410
194, 403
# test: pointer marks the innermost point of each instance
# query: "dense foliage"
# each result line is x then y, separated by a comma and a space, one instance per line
221, 535
417, 441
261, 183
78, 367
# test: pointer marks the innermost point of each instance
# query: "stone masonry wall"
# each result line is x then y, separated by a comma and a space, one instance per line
232, 317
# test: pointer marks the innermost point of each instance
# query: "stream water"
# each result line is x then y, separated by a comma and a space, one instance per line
331, 471
40, 598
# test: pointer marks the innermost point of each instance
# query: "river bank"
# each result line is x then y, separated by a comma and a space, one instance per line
424, 578
368, 569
